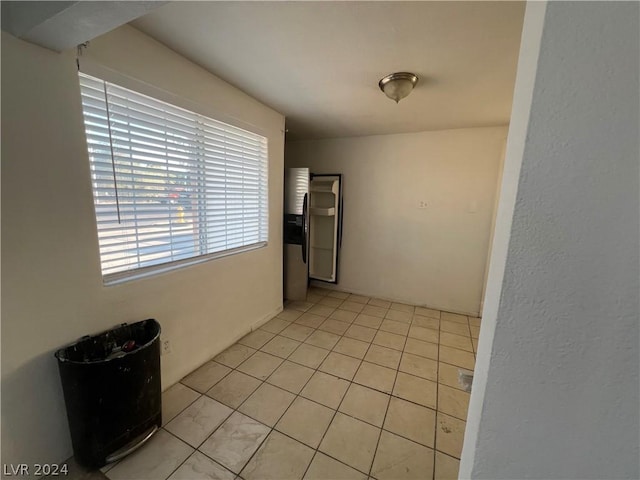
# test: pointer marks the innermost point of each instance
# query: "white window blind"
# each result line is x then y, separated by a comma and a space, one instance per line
169, 185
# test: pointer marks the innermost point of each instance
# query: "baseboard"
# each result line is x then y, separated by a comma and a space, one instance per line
261, 322
254, 326
329, 286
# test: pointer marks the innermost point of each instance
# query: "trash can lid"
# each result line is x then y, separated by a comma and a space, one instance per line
117, 342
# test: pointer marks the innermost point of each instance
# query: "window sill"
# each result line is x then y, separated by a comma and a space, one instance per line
141, 273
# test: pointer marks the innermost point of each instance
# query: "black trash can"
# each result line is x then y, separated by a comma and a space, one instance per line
112, 391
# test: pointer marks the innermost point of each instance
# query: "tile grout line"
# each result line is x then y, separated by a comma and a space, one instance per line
165, 421
317, 369
332, 350
435, 429
316, 449
288, 407
335, 413
197, 449
275, 423
473, 345
473, 351
473, 348
362, 360
271, 428
395, 379
233, 410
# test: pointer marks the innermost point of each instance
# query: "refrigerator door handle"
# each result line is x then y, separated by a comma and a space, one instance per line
304, 229
340, 225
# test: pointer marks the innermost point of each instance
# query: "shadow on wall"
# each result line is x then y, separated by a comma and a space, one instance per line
38, 377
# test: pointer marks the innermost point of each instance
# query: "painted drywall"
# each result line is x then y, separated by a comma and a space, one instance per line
63, 25
52, 285
556, 389
291, 54
494, 217
393, 249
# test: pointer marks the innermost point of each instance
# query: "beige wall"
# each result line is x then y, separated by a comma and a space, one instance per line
52, 286
556, 387
492, 228
391, 248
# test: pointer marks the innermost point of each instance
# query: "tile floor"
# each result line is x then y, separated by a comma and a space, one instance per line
338, 387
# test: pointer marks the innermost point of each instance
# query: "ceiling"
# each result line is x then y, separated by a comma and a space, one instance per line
319, 62
62, 25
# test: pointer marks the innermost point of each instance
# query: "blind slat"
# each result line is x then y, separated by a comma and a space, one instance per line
169, 184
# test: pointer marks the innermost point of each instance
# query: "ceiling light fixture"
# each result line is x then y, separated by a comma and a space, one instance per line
398, 85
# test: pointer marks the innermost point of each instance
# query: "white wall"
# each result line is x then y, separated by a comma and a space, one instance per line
391, 248
556, 389
494, 216
52, 285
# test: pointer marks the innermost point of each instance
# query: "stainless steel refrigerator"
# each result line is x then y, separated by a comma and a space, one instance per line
312, 229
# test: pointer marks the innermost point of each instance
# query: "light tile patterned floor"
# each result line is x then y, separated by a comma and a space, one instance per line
338, 387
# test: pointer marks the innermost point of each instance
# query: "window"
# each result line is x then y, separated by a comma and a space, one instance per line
170, 186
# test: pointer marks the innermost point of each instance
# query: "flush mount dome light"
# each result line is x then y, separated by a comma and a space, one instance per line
398, 85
